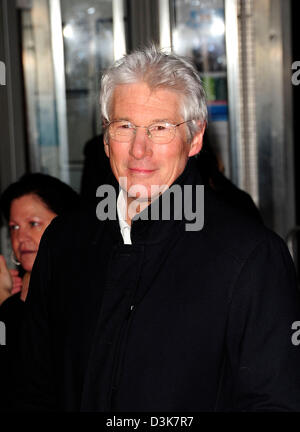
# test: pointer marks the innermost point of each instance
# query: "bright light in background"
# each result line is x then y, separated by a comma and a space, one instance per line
68, 31
91, 10
217, 27
118, 29
164, 26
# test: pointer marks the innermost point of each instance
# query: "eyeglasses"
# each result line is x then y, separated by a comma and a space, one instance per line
159, 132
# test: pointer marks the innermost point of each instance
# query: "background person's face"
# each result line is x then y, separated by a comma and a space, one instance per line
142, 161
29, 217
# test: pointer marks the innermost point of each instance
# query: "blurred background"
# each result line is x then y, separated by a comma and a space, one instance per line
53, 52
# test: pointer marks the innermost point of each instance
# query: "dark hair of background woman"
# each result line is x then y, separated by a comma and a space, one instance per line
56, 195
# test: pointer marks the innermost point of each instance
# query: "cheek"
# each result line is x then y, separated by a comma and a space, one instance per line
38, 232
173, 166
106, 149
175, 150
118, 160
14, 243
174, 157
118, 153
37, 235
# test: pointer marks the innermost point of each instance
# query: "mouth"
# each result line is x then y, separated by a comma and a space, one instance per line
26, 252
141, 171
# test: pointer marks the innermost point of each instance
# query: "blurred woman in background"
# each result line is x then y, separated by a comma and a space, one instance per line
29, 205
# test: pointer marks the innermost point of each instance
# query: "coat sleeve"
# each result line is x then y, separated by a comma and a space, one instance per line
263, 359
36, 388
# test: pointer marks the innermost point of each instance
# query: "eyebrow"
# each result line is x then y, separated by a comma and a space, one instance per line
26, 219
152, 121
121, 118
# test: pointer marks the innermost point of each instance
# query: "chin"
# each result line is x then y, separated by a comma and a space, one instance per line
27, 268
27, 265
145, 191
144, 197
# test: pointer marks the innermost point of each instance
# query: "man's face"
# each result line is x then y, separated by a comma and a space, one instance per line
141, 161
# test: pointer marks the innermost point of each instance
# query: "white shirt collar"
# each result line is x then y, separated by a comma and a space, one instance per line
122, 210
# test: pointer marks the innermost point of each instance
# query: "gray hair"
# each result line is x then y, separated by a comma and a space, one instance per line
158, 70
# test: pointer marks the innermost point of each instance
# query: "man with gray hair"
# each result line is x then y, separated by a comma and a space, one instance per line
173, 300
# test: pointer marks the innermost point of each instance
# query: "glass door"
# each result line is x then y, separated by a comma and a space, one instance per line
198, 32
66, 46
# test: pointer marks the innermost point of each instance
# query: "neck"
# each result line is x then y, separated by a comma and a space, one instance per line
134, 207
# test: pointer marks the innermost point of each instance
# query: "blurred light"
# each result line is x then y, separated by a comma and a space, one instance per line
217, 27
164, 25
118, 29
68, 31
91, 10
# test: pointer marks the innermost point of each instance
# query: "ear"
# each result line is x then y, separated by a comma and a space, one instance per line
197, 141
106, 146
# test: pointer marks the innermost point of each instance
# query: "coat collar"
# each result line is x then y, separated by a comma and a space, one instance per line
145, 230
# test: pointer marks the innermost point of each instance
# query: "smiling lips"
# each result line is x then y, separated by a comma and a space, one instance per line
141, 171
23, 252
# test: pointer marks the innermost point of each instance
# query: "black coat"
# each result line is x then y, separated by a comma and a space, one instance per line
11, 314
177, 321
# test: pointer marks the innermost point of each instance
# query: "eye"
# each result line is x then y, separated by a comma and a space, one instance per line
124, 125
159, 127
13, 227
34, 223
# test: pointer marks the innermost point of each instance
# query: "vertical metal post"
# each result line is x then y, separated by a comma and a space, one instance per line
143, 23
60, 87
12, 130
249, 180
164, 25
118, 29
273, 114
233, 83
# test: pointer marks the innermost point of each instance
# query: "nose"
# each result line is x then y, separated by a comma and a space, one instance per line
141, 146
23, 234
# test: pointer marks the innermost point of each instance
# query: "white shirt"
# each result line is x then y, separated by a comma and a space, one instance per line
124, 227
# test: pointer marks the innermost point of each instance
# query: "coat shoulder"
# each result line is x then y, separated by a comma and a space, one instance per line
233, 230
72, 229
